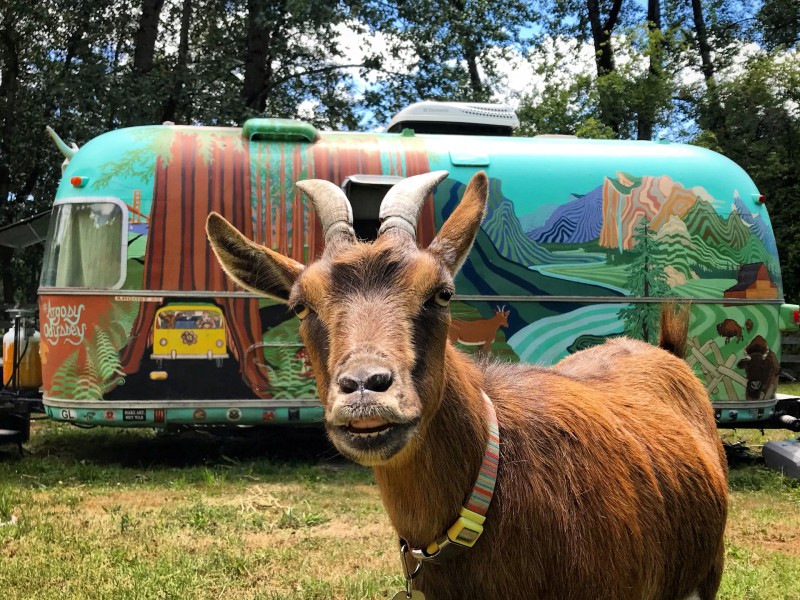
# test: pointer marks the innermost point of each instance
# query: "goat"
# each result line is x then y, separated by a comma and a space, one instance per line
611, 481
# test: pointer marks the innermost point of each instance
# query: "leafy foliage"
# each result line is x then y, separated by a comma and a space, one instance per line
761, 132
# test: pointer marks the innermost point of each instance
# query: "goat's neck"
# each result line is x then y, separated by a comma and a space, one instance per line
424, 493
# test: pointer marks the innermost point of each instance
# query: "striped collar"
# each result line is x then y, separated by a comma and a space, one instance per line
468, 527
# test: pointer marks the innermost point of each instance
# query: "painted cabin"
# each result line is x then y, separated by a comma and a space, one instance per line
582, 241
753, 281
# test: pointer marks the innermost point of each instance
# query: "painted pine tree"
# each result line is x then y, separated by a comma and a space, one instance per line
646, 279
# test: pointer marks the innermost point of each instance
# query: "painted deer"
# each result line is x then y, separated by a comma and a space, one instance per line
480, 332
609, 480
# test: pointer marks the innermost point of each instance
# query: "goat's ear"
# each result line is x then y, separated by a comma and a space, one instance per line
455, 238
256, 268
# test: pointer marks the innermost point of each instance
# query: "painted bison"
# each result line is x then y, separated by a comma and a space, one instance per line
762, 368
730, 329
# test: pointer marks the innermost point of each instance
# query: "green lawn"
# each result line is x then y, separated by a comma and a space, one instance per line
128, 514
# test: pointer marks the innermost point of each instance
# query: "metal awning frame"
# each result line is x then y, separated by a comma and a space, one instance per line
26, 232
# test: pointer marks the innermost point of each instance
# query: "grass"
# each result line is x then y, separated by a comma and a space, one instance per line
129, 514
136, 514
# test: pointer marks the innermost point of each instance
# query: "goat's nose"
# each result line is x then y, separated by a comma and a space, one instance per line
374, 380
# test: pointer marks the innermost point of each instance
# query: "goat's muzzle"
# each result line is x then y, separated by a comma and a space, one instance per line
368, 417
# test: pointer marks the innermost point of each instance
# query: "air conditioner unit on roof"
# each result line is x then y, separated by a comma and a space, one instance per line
467, 118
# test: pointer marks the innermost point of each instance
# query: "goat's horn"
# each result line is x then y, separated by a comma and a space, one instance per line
332, 206
402, 204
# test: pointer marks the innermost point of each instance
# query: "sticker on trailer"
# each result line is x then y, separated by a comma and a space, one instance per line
67, 414
139, 299
134, 414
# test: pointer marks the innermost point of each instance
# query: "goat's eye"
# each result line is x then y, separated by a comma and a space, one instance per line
442, 298
301, 311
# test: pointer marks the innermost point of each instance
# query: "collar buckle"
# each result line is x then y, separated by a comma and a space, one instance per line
462, 535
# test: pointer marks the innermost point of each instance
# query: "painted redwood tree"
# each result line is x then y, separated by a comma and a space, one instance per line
646, 279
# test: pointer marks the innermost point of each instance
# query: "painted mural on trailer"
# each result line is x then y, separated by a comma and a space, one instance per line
632, 234
642, 236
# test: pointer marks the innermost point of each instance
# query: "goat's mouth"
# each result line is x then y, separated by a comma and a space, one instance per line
371, 441
372, 426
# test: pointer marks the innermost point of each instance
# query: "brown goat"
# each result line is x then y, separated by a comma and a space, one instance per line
611, 481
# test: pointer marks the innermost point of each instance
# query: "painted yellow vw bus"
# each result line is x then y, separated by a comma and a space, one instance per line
193, 331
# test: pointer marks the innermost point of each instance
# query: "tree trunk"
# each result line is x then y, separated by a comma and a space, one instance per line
9, 84
646, 116
146, 36
474, 75
113, 105
714, 118
255, 62
601, 35
604, 55
702, 41
175, 104
142, 89
470, 52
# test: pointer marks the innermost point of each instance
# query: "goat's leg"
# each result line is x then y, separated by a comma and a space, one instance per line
708, 588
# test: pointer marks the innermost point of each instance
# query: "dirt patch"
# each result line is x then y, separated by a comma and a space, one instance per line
138, 500
345, 531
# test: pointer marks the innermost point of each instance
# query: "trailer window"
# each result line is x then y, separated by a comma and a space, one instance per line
84, 245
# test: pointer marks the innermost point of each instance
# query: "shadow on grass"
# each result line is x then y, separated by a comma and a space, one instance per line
748, 473
62, 453
758, 478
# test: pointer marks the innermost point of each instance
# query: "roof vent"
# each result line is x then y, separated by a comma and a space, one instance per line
462, 118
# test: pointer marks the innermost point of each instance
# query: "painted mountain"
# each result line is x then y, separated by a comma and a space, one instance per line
579, 220
695, 236
675, 242
504, 230
757, 225
626, 199
703, 221
538, 217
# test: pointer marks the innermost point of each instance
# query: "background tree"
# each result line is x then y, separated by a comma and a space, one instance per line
629, 93
447, 50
